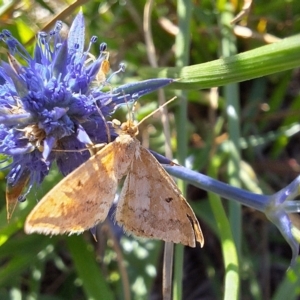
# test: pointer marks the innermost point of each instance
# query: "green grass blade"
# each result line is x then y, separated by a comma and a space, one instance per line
229, 251
259, 62
231, 95
289, 287
94, 283
182, 42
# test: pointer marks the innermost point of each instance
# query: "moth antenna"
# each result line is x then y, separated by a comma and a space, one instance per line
130, 112
95, 147
133, 111
156, 110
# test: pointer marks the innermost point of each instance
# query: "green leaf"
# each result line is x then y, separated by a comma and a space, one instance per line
259, 62
94, 283
289, 287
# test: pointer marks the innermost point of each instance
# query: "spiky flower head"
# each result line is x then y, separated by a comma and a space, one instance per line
50, 106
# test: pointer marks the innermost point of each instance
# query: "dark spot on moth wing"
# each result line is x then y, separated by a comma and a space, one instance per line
169, 199
79, 183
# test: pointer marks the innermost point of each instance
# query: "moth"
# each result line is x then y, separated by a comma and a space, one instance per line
150, 203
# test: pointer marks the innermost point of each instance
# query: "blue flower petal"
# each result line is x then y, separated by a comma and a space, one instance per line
133, 91
76, 35
49, 143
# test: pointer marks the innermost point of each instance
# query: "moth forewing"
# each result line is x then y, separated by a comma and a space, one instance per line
80, 201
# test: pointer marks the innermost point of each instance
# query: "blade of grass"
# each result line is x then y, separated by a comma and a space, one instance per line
168, 247
21, 254
231, 95
229, 251
182, 42
259, 62
94, 283
289, 287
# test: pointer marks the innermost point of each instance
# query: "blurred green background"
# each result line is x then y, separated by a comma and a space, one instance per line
258, 149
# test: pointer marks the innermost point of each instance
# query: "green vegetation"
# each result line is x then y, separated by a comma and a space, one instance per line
245, 133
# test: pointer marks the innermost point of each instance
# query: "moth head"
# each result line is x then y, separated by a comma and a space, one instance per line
129, 128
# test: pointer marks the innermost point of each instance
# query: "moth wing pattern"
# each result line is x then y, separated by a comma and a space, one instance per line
152, 206
81, 200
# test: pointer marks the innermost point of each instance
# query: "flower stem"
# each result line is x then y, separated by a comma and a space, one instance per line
231, 95
224, 190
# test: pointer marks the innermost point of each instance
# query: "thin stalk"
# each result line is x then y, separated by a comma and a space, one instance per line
231, 95
182, 42
226, 191
229, 251
168, 247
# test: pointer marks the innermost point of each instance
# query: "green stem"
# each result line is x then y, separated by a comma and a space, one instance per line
229, 251
231, 95
184, 12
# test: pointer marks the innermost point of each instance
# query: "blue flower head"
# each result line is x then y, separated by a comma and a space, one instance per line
50, 105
